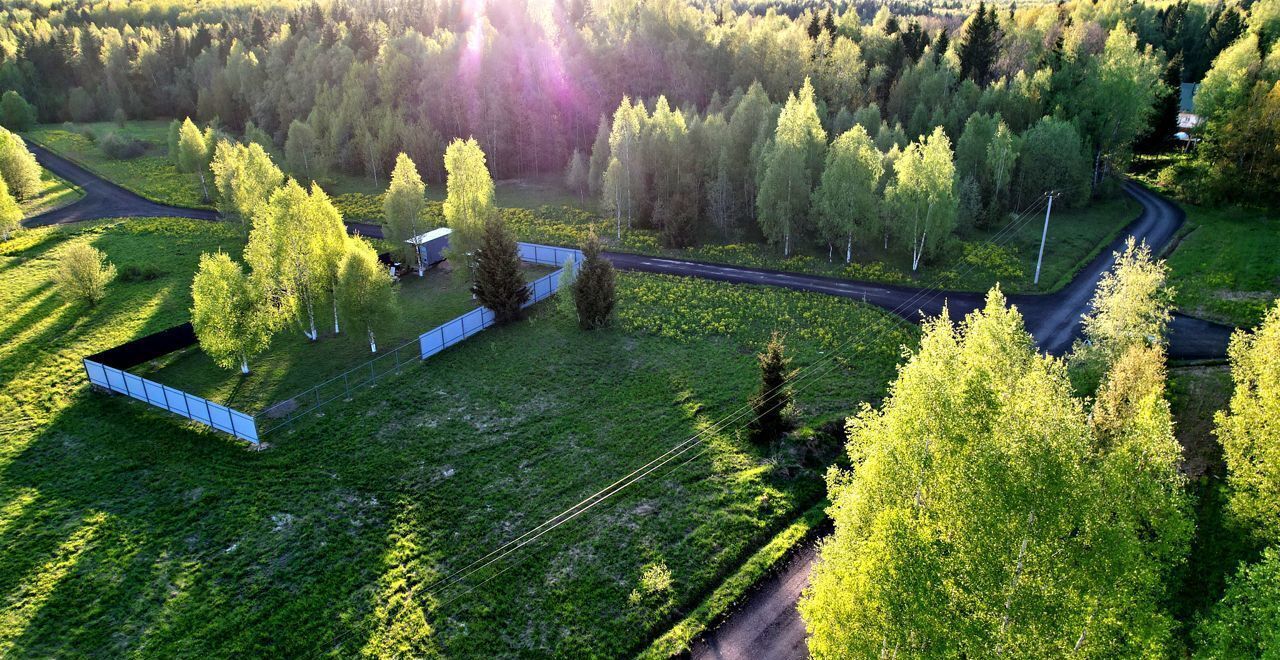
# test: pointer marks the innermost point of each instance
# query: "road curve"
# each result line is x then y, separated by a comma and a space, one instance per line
102, 199
1053, 319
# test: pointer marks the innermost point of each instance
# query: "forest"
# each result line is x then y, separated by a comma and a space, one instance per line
1048, 495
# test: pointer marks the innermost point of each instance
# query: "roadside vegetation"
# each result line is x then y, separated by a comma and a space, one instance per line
1225, 267
54, 193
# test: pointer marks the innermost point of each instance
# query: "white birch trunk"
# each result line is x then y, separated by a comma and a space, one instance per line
848, 249
244, 365
373, 343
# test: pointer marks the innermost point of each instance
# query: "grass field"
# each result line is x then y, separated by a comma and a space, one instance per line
1227, 265
126, 531
151, 175
54, 193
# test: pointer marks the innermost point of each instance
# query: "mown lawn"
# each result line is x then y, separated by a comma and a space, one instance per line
1227, 266
54, 193
151, 175
126, 531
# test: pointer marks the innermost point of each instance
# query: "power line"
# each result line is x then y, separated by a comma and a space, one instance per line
532, 535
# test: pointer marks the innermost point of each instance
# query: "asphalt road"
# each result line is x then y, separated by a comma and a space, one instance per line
767, 626
102, 199
1053, 319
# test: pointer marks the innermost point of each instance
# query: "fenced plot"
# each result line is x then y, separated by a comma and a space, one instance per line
426, 345
106, 373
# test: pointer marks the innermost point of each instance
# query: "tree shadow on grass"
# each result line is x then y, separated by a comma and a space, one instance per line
204, 545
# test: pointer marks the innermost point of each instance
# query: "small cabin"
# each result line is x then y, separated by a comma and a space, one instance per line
431, 245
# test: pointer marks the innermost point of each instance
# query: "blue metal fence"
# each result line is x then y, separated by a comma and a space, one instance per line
214, 415
251, 427
426, 345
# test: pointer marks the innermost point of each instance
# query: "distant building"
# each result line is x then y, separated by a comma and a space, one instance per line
1187, 118
431, 245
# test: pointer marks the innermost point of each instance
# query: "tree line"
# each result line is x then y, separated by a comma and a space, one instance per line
748, 163
349, 86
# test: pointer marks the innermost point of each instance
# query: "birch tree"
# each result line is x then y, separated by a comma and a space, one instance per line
981, 519
624, 147
10, 213
468, 201
1250, 428
365, 290
792, 162
923, 196
244, 177
403, 205
18, 166
194, 152
226, 313
294, 249
845, 200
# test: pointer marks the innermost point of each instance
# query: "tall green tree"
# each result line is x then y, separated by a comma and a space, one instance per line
923, 196
499, 283
226, 312
599, 158
1132, 306
10, 213
301, 150
15, 113
244, 177
18, 166
1117, 100
468, 203
980, 47
195, 149
294, 249
595, 291
846, 200
979, 519
624, 147
403, 205
769, 405
576, 177
1052, 158
1249, 429
792, 164
365, 292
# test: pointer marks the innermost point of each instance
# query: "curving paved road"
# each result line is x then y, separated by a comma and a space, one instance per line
1054, 319
767, 626
102, 199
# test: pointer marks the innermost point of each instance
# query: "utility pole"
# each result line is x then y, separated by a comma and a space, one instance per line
1043, 235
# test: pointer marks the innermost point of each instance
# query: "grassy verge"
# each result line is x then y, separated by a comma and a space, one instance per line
127, 531
720, 603
54, 193
1225, 268
150, 174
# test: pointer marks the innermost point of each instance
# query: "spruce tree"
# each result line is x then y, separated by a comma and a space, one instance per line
770, 403
594, 293
499, 284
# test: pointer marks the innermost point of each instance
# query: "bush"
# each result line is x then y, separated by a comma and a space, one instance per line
83, 273
15, 113
133, 273
120, 147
